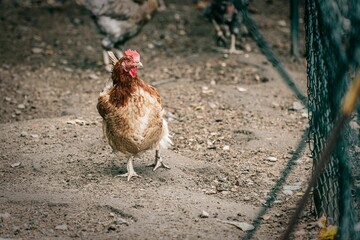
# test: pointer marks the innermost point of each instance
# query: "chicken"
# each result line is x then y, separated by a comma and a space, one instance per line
132, 113
226, 18
119, 20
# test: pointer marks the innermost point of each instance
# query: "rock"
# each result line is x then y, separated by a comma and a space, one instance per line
204, 214
36, 166
7, 99
271, 159
266, 217
247, 47
226, 148
292, 187
281, 23
93, 76
23, 134
241, 89
17, 164
296, 106
37, 50
77, 121
63, 227
244, 226
120, 221
288, 192
21, 106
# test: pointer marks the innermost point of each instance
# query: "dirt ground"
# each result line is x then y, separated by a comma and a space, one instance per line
233, 120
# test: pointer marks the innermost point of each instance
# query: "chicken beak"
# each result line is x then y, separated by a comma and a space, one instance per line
140, 65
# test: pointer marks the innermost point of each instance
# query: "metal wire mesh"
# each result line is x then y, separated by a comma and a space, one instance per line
331, 58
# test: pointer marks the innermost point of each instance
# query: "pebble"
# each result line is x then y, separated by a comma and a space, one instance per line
244, 226
93, 76
61, 227
120, 221
17, 164
288, 192
23, 134
296, 106
281, 23
248, 48
204, 214
271, 159
241, 89
37, 50
21, 106
226, 148
7, 99
293, 187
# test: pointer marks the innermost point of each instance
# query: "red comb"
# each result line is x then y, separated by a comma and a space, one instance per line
134, 54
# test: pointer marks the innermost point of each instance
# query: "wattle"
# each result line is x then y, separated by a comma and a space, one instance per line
133, 72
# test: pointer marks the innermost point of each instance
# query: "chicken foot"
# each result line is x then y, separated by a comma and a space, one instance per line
158, 162
233, 49
130, 170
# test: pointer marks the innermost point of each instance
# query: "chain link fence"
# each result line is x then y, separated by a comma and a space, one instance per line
332, 40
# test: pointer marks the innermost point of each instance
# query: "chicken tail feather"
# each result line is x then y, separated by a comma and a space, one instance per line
113, 58
165, 141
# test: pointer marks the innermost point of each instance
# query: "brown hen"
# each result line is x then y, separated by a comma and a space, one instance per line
132, 113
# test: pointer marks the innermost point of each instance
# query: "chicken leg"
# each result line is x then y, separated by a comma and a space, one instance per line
158, 162
233, 49
130, 170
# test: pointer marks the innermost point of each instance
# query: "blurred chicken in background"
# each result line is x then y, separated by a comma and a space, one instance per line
227, 20
120, 20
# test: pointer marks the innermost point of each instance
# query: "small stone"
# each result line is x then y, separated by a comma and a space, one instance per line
7, 99
281, 23
241, 89
244, 226
204, 214
23, 134
271, 159
37, 50
120, 221
288, 192
17, 164
296, 106
151, 45
34, 135
247, 47
21, 106
182, 33
266, 217
93, 76
226, 148
61, 227
292, 187
210, 191
17, 112
36, 166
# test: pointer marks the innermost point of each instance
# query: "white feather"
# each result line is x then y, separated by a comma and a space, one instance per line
165, 141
